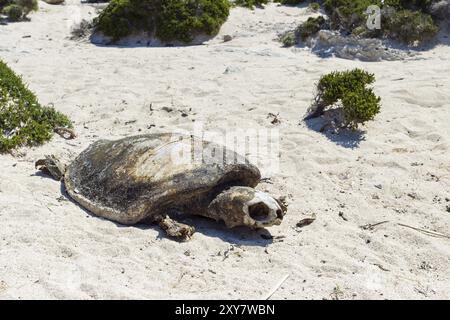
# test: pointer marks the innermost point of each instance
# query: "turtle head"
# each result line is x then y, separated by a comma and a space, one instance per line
245, 206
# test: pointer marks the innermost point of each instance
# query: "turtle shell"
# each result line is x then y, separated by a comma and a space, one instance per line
144, 176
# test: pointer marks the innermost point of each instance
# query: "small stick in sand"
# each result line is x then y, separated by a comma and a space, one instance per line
371, 226
381, 267
274, 289
427, 232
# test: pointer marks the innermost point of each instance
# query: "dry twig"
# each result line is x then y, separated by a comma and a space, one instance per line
274, 289
427, 232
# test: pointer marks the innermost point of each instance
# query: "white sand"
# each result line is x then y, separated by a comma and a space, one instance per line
50, 248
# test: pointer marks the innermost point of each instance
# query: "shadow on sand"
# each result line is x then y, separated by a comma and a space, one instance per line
210, 228
143, 40
344, 137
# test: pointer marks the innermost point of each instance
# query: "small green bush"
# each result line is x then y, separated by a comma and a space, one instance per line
347, 14
17, 10
4, 3
315, 6
250, 3
120, 17
423, 5
23, 121
27, 6
307, 29
168, 20
359, 103
13, 12
181, 20
410, 27
310, 27
406, 21
359, 107
290, 2
288, 39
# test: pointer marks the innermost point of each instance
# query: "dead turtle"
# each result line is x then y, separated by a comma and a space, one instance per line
157, 177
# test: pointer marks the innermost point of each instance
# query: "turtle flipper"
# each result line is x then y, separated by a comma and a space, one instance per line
51, 166
175, 229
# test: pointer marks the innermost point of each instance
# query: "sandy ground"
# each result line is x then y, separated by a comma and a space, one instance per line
399, 171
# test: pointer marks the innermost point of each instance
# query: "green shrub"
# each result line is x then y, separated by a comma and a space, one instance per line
347, 14
359, 103
118, 21
181, 20
310, 27
250, 3
4, 3
168, 20
423, 5
17, 9
290, 2
407, 22
315, 6
13, 11
288, 39
23, 121
410, 27
332, 86
359, 107
27, 6
307, 29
